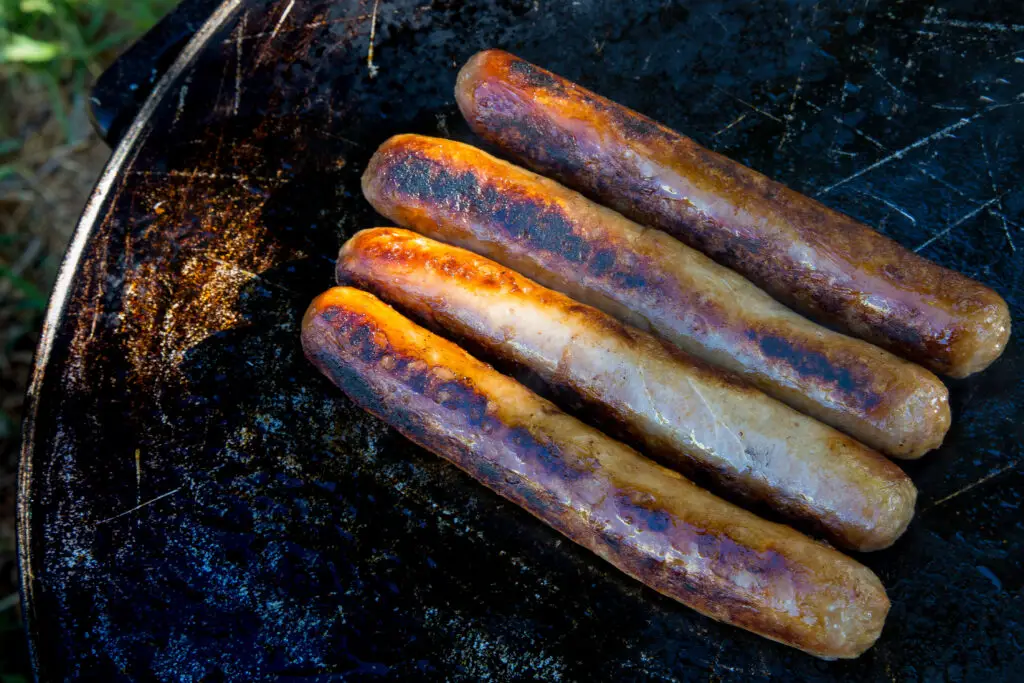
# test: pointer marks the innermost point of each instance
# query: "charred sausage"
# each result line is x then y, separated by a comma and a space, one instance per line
806, 255
646, 520
462, 195
692, 417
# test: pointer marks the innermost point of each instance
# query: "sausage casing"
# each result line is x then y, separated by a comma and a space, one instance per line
646, 520
462, 195
810, 257
693, 417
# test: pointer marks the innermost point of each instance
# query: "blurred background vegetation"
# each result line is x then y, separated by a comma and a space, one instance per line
50, 53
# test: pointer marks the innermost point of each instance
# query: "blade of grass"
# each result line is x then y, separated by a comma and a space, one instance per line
31, 294
9, 146
21, 49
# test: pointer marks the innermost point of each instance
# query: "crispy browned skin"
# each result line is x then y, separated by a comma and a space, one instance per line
695, 418
811, 257
462, 195
646, 520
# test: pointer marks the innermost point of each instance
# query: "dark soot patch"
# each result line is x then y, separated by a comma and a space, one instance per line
428, 180
816, 366
533, 77
363, 346
646, 513
467, 400
525, 218
601, 262
551, 457
546, 229
636, 126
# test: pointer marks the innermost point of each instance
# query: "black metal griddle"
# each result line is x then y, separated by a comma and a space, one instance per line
197, 503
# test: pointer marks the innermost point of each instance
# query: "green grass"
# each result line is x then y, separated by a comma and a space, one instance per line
59, 46
65, 44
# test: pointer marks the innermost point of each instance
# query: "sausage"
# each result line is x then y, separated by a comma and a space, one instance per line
693, 417
646, 520
808, 256
462, 195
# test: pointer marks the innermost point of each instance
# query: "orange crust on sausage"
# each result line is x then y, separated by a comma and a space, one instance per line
812, 258
646, 520
464, 196
698, 419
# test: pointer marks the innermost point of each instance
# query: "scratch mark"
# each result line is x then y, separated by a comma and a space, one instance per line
740, 118
928, 174
844, 124
843, 94
960, 221
995, 190
881, 74
979, 25
370, 66
715, 18
238, 270
305, 27
1009, 222
265, 48
1014, 55
182, 95
892, 206
335, 136
1006, 231
796, 92
101, 286
899, 154
138, 476
748, 104
942, 46
988, 477
950, 186
140, 506
280, 22
209, 175
238, 62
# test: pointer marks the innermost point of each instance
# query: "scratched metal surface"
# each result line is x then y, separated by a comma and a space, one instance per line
197, 503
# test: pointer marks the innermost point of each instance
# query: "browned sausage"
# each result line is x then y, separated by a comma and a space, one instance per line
695, 418
464, 196
804, 254
646, 520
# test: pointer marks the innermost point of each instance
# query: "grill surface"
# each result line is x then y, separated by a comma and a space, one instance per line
197, 501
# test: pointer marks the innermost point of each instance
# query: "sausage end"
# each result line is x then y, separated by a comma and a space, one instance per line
469, 77
988, 333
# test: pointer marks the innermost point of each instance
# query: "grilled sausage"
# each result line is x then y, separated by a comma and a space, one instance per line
646, 520
693, 417
464, 196
808, 256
